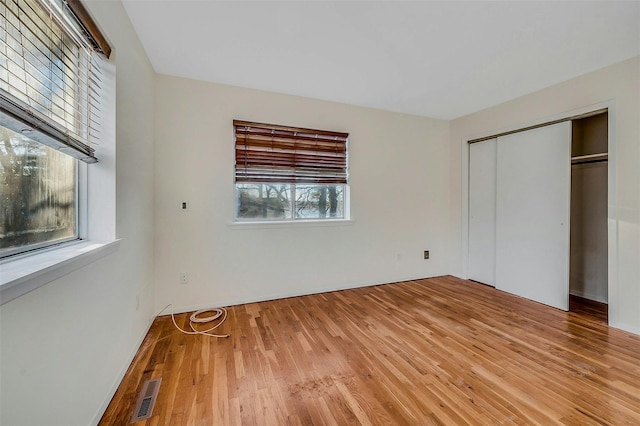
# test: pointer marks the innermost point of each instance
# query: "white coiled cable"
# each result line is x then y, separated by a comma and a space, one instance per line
196, 318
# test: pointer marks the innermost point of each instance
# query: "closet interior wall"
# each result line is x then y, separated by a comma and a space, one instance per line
588, 276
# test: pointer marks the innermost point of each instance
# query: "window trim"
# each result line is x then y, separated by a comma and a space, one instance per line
27, 273
22, 274
290, 224
287, 155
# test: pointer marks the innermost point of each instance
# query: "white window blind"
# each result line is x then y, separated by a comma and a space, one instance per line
49, 76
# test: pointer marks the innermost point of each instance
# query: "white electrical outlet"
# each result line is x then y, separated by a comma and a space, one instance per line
184, 278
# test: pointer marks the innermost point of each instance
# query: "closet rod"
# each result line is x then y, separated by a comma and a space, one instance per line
602, 155
595, 160
537, 126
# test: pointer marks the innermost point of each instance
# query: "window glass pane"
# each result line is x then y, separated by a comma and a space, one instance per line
263, 201
37, 193
315, 201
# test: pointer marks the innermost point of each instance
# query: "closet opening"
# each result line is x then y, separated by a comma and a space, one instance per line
538, 224
588, 260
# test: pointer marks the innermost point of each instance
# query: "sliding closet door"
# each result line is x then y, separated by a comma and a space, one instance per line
482, 211
532, 214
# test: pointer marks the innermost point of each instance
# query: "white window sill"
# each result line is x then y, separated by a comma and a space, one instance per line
24, 274
277, 224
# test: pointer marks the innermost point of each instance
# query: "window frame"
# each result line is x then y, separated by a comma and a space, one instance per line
341, 179
72, 18
21, 274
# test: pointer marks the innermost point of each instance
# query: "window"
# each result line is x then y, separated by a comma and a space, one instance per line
288, 173
49, 103
38, 193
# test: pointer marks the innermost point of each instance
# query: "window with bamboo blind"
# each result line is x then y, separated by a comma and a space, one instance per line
289, 173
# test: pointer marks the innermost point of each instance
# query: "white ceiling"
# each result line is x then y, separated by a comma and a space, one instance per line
440, 59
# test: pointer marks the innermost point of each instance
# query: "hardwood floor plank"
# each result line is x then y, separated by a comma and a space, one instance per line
436, 351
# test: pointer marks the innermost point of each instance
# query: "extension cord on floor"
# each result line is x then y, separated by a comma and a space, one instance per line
196, 319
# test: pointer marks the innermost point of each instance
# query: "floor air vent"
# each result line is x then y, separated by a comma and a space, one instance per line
146, 400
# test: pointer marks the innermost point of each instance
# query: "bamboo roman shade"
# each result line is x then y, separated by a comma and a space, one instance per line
268, 153
50, 75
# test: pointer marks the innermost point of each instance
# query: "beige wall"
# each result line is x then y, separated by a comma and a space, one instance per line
618, 87
66, 346
399, 200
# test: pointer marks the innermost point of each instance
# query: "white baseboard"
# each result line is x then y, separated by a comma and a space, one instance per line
275, 296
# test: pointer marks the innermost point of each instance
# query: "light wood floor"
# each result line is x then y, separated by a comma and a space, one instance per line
433, 351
